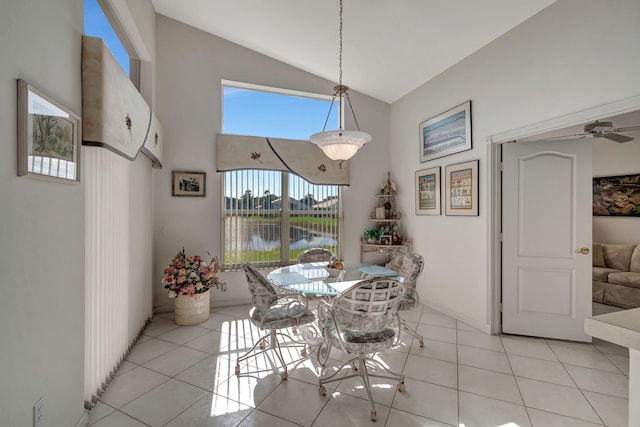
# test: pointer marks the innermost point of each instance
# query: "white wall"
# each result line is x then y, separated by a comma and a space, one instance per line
41, 226
610, 159
190, 66
547, 67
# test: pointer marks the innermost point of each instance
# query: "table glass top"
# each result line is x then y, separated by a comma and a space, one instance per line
316, 278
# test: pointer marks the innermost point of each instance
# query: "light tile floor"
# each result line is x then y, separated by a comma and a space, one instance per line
184, 376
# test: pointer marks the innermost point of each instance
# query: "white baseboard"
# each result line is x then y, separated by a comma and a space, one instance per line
84, 419
483, 327
231, 302
214, 304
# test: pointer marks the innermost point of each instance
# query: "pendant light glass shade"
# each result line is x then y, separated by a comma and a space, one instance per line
340, 144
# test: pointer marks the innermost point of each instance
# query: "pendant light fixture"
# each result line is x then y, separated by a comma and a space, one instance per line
340, 144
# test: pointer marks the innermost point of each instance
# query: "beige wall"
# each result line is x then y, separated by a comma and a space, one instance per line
191, 65
610, 159
42, 234
547, 67
41, 227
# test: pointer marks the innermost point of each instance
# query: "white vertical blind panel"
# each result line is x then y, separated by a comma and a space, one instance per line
107, 266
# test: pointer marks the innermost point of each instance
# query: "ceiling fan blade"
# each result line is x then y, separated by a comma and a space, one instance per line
591, 126
617, 137
627, 129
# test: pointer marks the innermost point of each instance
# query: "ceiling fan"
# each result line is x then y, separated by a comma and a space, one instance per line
605, 130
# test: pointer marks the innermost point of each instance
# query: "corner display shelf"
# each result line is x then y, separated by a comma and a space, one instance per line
385, 218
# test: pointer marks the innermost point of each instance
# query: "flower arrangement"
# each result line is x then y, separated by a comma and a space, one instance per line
190, 275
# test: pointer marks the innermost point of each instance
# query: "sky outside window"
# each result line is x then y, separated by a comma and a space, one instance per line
258, 113
96, 24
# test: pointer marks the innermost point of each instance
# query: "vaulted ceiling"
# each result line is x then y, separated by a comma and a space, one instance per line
390, 47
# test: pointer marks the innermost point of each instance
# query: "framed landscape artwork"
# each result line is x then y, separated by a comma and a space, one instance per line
462, 189
616, 195
428, 191
446, 133
189, 184
48, 137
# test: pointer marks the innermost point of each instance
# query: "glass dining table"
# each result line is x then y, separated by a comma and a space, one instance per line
315, 278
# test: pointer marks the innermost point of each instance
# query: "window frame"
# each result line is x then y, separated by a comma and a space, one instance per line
285, 211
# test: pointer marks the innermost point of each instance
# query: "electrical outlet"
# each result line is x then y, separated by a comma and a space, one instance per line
38, 413
223, 285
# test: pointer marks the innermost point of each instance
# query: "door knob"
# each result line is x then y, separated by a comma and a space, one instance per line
583, 251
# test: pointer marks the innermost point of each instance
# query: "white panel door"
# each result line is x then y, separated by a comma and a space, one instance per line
546, 211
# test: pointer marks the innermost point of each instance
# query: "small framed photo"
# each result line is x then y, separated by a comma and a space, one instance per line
48, 137
462, 189
447, 133
386, 239
380, 212
428, 191
188, 184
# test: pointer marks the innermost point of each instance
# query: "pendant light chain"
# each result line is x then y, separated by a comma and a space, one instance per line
340, 144
340, 48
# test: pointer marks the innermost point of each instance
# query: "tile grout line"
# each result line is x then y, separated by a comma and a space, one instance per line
574, 381
515, 379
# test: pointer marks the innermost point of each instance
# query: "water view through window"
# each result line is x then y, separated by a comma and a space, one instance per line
259, 205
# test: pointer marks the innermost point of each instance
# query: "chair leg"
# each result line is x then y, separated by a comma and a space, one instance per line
271, 342
367, 385
359, 365
412, 332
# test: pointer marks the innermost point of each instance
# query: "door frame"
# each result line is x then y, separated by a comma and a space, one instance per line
494, 185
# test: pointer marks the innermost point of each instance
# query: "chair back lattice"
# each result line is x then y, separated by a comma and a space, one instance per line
410, 266
316, 255
370, 305
263, 294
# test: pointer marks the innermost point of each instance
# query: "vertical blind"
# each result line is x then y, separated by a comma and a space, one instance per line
107, 268
270, 217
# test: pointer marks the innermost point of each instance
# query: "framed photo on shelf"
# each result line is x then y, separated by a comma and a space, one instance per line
461, 192
188, 184
380, 212
428, 191
48, 137
386, 239
447, 133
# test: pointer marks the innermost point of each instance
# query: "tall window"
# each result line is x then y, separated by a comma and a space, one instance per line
96, 24
271, 217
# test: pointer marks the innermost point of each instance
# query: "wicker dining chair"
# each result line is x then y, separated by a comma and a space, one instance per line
274, 310
410, 266
316, 255
361, 321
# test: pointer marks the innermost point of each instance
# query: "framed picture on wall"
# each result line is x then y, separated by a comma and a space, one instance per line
428, 191
48, 137
616, 195
447, 133
188, 184
461, 193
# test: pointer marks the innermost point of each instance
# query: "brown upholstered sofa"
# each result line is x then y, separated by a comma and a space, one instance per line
616, 274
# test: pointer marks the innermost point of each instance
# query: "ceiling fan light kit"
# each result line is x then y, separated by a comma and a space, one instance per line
340, 144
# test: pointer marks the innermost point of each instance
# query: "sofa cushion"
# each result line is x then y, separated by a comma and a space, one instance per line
635, 260
597, 255
631, 280
602, 273
618, 256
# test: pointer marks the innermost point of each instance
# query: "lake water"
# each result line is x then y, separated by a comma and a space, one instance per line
266, 236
